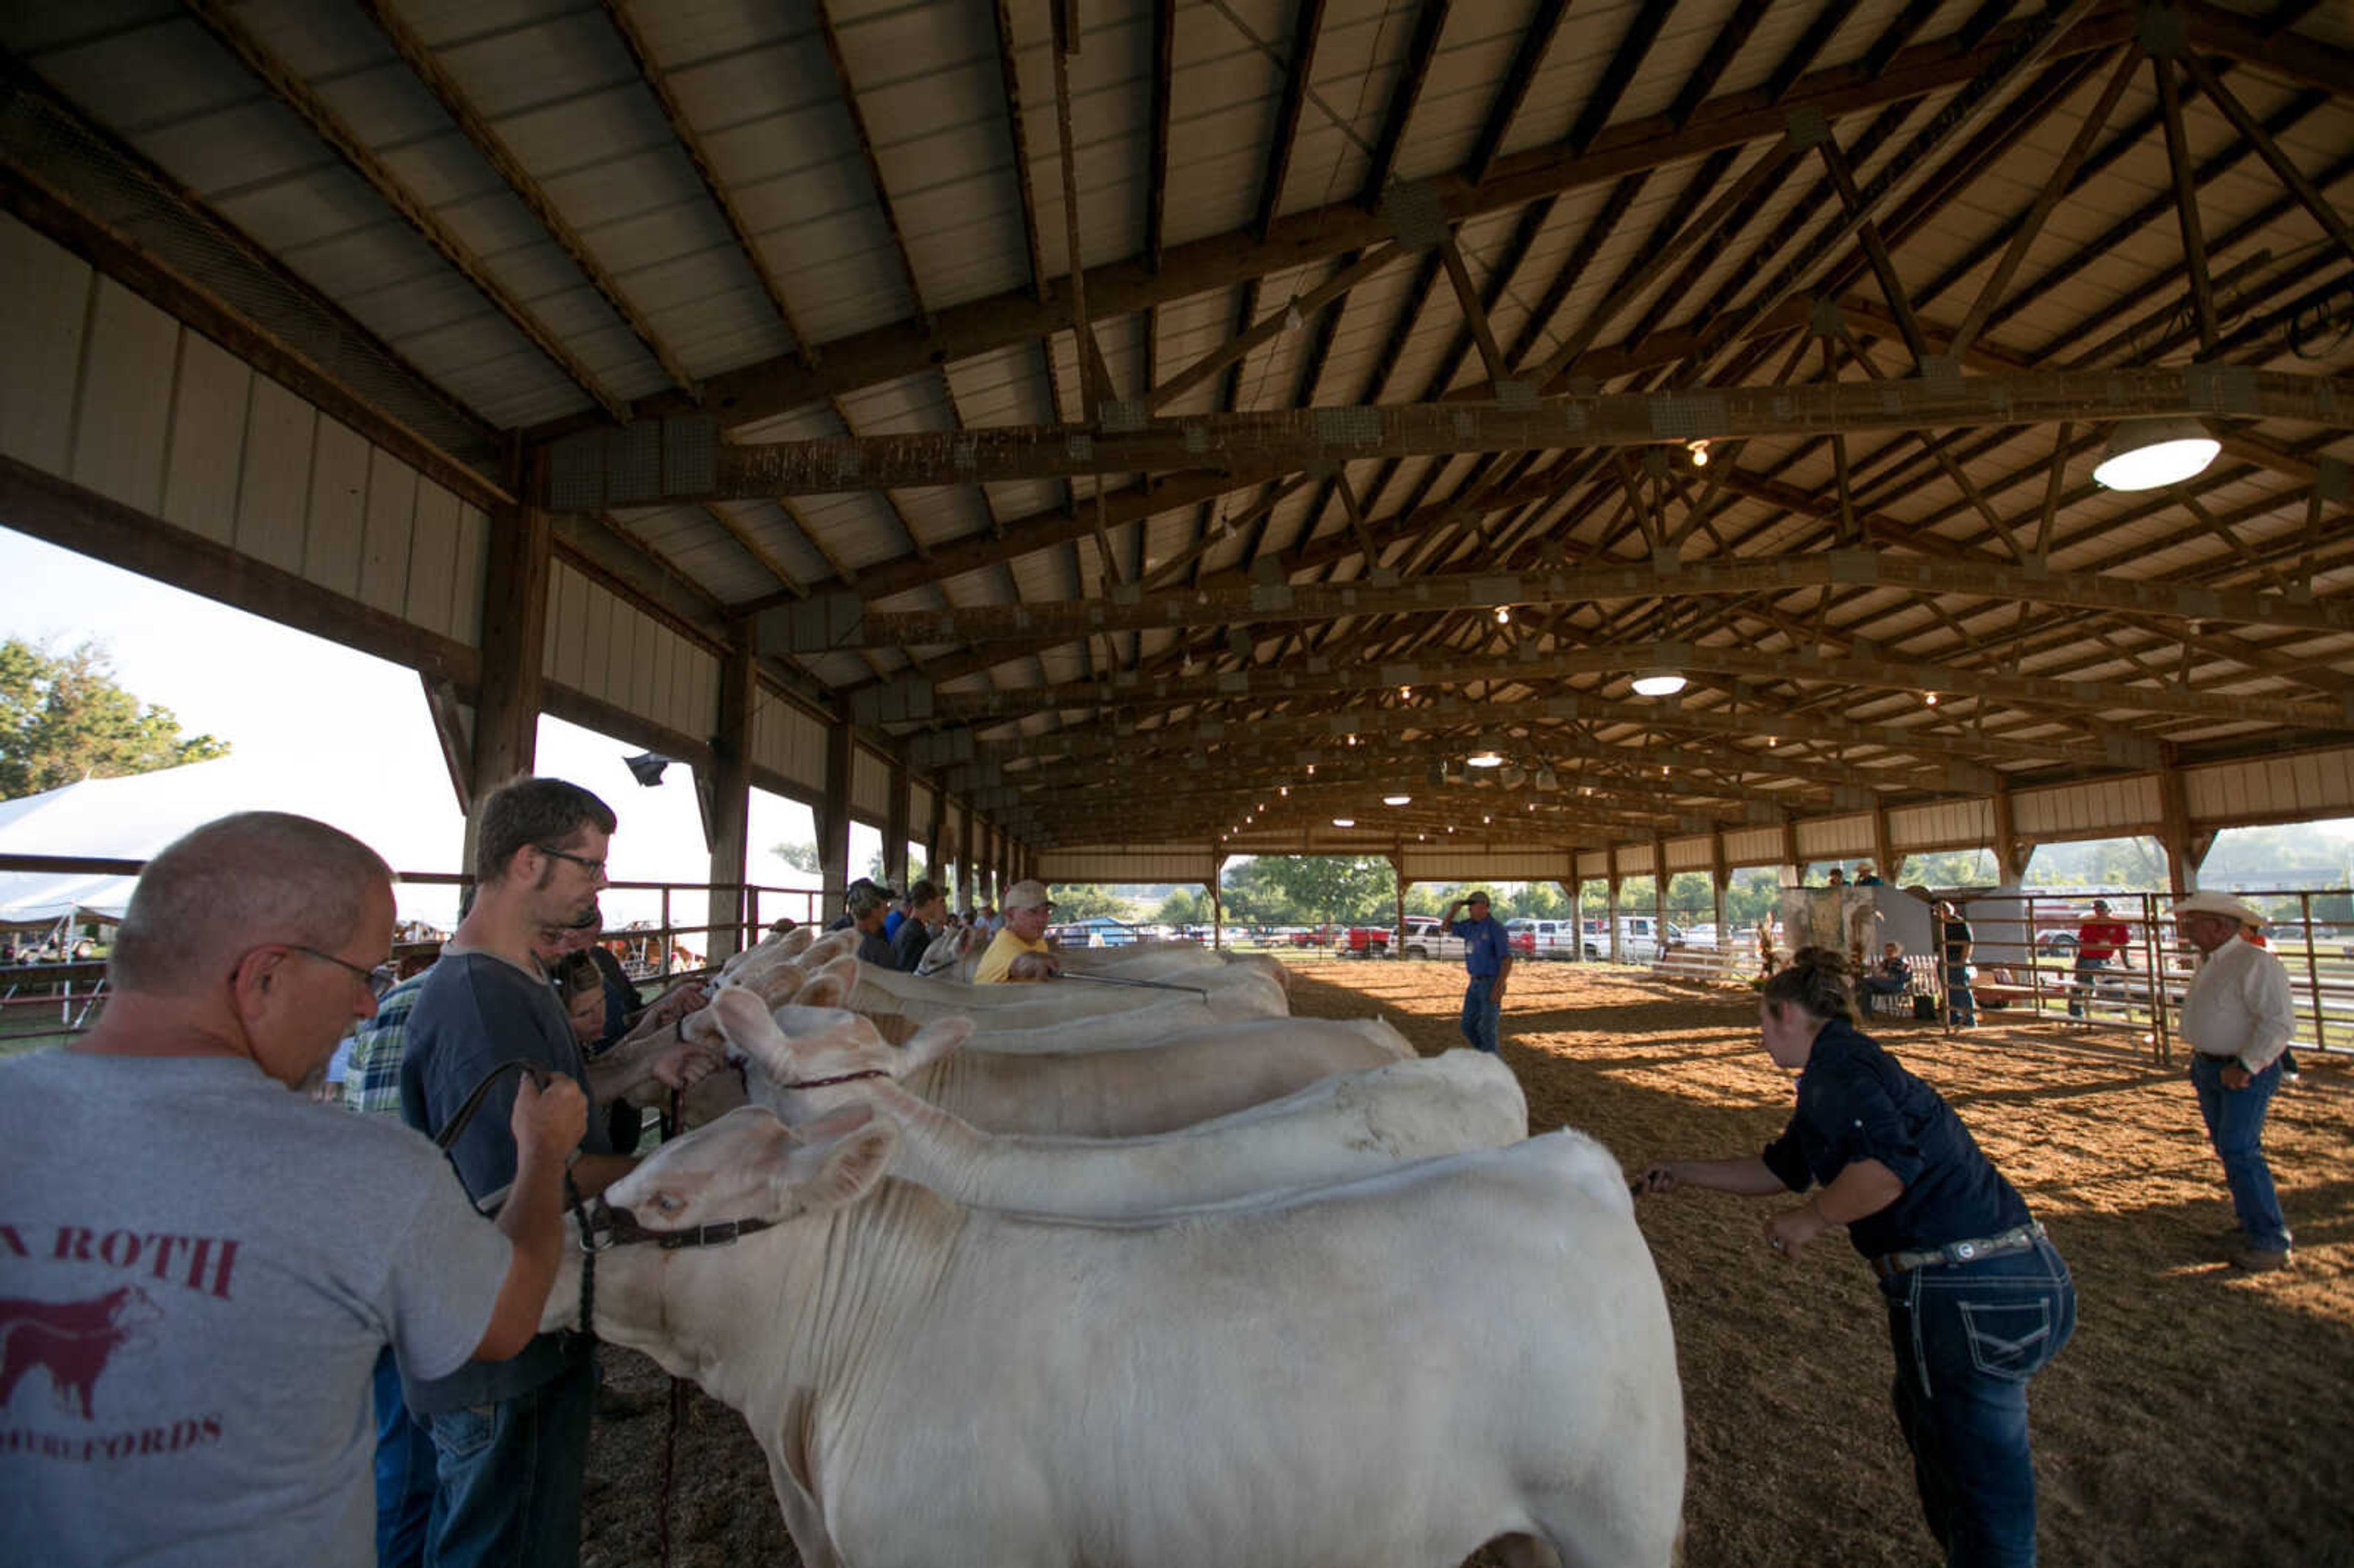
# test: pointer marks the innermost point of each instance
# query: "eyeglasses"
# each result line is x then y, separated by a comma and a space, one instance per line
366, 976
593, 867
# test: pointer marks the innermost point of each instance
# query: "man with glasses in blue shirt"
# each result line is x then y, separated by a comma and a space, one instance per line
512, 1440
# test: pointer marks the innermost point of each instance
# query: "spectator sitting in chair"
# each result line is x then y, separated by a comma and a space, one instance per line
1889, 977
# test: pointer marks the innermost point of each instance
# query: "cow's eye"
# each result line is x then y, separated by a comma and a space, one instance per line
669, 1203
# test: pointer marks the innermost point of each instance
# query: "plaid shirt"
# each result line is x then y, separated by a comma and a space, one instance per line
372, 1078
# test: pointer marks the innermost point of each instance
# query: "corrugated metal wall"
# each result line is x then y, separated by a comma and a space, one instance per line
101, 387
790, 744
2103, 809
1438, 863
2270, 789
870, 786
1949, 824
1829, 838
919, 810
1128, 864
1689, 854
600, 645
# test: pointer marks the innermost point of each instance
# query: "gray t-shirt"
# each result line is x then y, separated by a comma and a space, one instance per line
190, 1316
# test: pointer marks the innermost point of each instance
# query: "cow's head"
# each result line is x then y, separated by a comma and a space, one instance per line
825, 949
746, 1166
799, 1043
947, 950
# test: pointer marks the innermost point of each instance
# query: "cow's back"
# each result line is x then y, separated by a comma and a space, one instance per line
1154, 1088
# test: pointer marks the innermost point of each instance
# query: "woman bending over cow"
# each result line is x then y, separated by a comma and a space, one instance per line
1977, 1300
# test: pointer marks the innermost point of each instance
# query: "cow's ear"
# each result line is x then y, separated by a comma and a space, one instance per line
826, 989
934, 1041
743, 1019
856, 1161
795, 942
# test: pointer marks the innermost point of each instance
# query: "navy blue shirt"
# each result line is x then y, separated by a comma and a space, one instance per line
474, 1012
1486, 945
1855, 1102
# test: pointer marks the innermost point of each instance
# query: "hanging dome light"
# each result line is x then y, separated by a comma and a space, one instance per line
1659, 684
2142, 454
1344, 821
1397, 799
1489, 759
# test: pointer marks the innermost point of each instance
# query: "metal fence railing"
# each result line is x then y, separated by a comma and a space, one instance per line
651, 926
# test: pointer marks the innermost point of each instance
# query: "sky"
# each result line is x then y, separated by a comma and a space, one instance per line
318, 712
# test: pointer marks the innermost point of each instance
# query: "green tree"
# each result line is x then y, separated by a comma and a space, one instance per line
800, 856
1085, 901
1316, 888
64, 719
1184, 907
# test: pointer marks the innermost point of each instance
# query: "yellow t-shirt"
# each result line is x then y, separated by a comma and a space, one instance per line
1003, 949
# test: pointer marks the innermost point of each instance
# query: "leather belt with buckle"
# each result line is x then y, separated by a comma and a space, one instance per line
2019, 1239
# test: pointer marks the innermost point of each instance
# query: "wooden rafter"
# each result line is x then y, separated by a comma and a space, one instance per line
1307, 27
2186, 202
485, 139
280, 81
1527, 55
980, 326
698, 154
1430, 22
1164, 74
822, 11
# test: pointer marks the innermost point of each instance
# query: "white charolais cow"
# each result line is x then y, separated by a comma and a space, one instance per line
1158, 1019
1094, 1094
1383, 1375
1219, 993
1353, 1124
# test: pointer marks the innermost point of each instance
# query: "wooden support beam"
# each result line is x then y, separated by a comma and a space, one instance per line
1092, 389
730, 794
698, 154
1527, 55
1263, 444
832, 815
2047, 201
1884, 671
452, 729
1730, 119
1429, 21
1036, 292
1475, 314
2186, 205
1276, 322
2269, 149
279, 79
514, 628
1164, 70
821, 10
838, 621
1308, 26
485, 139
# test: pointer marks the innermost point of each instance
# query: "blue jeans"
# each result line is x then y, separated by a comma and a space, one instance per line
1482, 1013
1961, 1007
2088, 972
404, 1472
511, 1478
2235, 1125
1967, 1336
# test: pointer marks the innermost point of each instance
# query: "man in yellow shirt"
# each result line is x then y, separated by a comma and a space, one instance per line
1019, 951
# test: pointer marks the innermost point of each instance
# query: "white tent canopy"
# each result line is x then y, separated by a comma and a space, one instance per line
133, 818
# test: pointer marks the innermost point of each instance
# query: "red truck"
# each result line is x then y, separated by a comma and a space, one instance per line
1365, 941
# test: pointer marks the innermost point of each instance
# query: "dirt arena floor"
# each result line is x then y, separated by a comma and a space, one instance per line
2199, 1417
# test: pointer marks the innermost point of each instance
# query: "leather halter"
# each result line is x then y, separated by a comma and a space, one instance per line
605, 1225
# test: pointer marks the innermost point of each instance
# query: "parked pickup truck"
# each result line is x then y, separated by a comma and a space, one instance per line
1364, 942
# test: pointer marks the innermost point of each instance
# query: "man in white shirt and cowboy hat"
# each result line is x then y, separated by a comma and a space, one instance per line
2238, 1018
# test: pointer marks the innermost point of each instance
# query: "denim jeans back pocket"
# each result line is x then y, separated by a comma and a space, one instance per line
2009, 1339
462, 1433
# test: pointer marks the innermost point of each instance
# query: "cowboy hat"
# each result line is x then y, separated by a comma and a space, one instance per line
2222, 903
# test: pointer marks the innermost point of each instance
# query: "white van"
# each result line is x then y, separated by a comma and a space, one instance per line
1638, 939
1532, 939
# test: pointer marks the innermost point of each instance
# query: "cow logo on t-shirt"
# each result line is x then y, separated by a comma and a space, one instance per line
72, 1341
